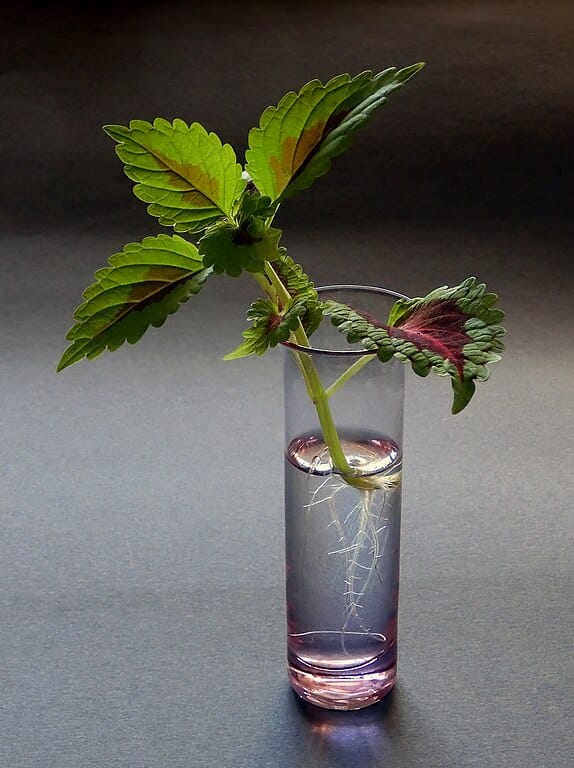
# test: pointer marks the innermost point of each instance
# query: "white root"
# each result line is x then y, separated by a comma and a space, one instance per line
363, 543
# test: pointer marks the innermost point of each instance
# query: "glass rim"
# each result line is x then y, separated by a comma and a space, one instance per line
345, 352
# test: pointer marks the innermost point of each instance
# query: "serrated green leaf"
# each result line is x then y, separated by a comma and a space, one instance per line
233, 249
399, 308
296, 140
300, 286
271, 326
185, 173
452, 331
252, 205
144, 284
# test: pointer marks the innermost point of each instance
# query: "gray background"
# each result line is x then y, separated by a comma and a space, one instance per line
141, 564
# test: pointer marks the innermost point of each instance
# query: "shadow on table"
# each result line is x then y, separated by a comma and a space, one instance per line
388, 733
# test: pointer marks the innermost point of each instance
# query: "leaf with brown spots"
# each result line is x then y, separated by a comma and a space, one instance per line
296, 140
144, 284
185, 174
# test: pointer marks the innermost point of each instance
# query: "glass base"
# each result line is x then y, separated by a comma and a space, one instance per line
344, 692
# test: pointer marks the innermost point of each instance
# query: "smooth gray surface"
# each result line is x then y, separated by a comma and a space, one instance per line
141, 563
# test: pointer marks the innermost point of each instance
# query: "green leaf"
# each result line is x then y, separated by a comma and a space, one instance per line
296, 140
452, 331
144, 284
463, 392
233, 249
299, 286
271, 326
253, 205
189, 178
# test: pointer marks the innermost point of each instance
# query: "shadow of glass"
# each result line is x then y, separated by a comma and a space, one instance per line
359, 738
385, 734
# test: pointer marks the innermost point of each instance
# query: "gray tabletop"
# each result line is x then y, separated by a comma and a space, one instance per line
141, 556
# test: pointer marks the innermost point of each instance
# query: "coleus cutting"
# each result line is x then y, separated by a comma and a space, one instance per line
193, 183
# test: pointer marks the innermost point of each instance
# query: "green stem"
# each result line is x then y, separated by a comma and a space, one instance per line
265, 285
329, 430
320, 397
282, 293
314, 385
349, 373
321, 402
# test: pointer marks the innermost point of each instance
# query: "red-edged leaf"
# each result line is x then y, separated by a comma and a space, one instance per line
453, 331
438, 327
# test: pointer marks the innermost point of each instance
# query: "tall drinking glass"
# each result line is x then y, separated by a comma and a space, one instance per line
343, 528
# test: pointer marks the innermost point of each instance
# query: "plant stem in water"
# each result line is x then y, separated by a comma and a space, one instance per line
276, 290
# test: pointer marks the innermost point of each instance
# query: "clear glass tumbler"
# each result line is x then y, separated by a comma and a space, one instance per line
343, 527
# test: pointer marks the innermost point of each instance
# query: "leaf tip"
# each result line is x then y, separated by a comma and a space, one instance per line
463, 392
407, 72
63, 363
237, 354
115, 132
